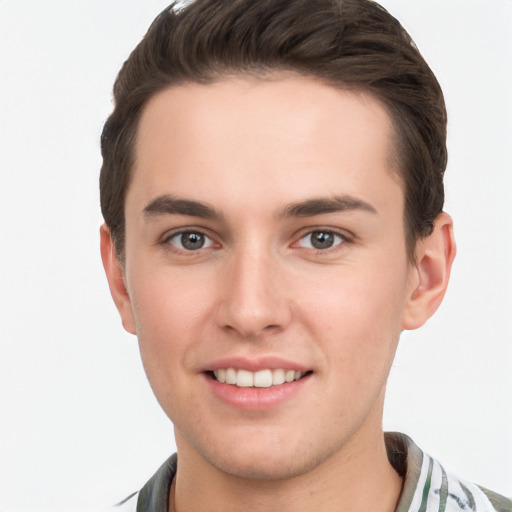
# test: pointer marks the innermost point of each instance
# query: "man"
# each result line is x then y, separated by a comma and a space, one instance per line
272, 188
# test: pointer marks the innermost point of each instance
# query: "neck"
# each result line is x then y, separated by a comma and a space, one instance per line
357, 478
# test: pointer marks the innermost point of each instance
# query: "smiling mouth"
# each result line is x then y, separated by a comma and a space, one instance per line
259, 379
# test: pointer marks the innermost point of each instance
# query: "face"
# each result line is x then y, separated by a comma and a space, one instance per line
266, 269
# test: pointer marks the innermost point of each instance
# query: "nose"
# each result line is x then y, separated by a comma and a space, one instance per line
254, 296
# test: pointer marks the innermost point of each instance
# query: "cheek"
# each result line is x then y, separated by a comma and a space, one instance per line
362, 296
166, 315
167, 303
357, 316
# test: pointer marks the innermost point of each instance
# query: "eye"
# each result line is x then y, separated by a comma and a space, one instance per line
190, 241
321, 240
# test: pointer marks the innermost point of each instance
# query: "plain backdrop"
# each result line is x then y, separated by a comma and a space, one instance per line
79, 427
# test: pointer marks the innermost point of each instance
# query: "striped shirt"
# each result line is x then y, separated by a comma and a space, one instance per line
427, 486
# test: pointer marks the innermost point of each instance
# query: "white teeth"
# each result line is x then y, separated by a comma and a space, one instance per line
230, 376
221, 375
260, 379
245, 379
263, 379
278, 377
289, 375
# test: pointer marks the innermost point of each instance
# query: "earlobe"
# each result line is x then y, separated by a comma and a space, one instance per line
115, 278
434, 258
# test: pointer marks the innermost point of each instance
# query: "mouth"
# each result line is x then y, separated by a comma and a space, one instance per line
261, 379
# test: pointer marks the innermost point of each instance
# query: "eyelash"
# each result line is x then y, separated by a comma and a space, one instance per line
342, 237
166, 241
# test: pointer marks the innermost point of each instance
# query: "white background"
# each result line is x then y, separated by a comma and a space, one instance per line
79, 427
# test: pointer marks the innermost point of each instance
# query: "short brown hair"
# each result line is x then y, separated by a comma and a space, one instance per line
350, 44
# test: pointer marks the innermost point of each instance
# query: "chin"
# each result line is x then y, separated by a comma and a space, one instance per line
262, 470
266, 462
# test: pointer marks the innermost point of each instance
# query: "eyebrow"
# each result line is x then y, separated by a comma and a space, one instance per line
170, 205
318, 206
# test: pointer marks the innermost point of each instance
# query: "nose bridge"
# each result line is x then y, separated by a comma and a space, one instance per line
253, 301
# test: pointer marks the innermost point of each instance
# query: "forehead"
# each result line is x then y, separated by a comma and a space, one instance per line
283, 136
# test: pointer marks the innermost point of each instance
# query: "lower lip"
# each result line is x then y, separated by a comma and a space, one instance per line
255, 399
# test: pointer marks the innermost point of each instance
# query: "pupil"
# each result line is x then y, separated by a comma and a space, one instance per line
322, 239
192, 241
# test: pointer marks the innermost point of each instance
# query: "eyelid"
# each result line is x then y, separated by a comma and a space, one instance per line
343, 234
169, 235
164, 240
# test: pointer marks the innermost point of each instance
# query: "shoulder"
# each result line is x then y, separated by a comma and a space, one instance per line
462, 495
154, 496
428, 487
499, 502
129, 504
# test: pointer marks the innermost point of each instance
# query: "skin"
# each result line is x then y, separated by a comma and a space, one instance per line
250, 151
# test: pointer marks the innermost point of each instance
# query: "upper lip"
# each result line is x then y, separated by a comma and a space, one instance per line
255, 364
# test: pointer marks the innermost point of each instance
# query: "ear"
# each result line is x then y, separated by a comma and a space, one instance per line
431, 273
115, 277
